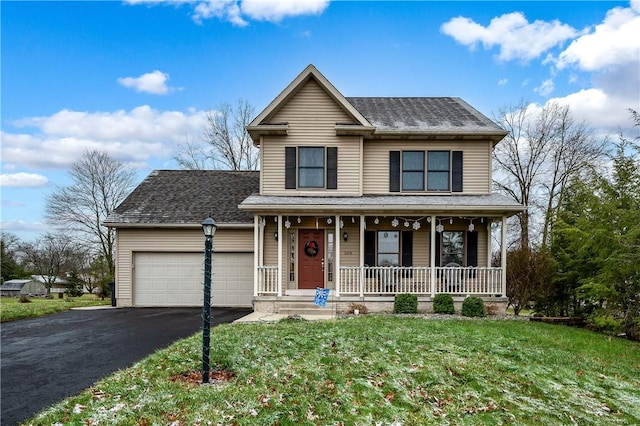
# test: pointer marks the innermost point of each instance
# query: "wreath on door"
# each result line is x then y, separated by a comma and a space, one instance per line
311, 248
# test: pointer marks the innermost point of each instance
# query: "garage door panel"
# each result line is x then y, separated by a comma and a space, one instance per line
175, 279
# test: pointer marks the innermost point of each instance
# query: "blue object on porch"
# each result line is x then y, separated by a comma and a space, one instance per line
322, 294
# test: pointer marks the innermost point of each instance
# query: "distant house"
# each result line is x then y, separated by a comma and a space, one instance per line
15, 288
368, 197
59, 285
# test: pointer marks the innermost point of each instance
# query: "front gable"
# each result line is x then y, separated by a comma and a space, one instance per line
309, 100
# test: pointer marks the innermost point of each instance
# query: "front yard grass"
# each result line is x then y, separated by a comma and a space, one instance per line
375, 369
11, 309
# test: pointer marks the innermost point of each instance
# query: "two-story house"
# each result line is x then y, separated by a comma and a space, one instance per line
369, 197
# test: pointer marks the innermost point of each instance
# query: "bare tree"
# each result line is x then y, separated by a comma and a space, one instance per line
49, 256
519, 158
573, 148
99, 184
225, 142
537, 159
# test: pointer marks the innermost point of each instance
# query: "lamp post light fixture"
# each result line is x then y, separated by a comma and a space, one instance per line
209, 228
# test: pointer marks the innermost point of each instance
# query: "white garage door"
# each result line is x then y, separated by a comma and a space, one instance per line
175, 279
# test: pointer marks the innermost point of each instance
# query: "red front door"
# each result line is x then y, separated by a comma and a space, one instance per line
311, 258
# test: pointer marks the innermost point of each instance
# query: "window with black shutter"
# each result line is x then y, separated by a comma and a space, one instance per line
311, 167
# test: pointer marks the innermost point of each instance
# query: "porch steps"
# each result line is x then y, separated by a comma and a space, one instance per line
305, 307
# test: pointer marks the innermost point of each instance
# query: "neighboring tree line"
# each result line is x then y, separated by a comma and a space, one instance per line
576, 250
81, 250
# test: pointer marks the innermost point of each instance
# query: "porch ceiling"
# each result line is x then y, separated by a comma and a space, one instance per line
490, 204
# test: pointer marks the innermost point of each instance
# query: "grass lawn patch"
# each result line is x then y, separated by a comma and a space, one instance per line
11, 309
375, 369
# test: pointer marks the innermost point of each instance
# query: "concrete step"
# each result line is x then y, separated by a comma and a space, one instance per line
304, 308
328, 312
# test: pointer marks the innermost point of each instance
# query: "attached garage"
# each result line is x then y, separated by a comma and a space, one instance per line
175, 279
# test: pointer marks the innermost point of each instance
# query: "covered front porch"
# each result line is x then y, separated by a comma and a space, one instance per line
371, 248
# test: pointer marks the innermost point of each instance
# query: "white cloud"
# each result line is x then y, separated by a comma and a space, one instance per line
614, 42
154, 82
235, 11
131, 136
515, 36
545, 88
22, 180
22, 226
600, 110
503, 82
276, 10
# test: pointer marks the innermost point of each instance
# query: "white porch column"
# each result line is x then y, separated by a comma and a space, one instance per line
489, 243
338, 245
280, 262
432, 256
256, 253
362, 231
503, 255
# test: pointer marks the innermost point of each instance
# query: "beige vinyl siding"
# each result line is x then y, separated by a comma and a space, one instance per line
476, 163
311, 115
130, 241
481, 229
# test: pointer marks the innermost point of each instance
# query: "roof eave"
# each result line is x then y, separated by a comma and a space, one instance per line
495, 136
175, 225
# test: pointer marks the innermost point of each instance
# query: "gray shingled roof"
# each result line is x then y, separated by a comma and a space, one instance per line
423, 114
372, 203
187, 197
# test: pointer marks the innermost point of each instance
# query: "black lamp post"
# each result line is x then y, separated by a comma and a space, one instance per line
209, 229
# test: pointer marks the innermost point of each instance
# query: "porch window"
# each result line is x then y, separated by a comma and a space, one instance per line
452, 247
388, 248
438, 173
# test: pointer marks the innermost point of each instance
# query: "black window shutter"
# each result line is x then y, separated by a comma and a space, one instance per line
456, 172
370, 248
394, 171
332, 167
407, 248
290, 167
472, 249
407, 252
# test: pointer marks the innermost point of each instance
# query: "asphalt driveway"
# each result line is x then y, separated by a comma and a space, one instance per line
44, 360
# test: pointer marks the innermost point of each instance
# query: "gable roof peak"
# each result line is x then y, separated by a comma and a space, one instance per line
310, 72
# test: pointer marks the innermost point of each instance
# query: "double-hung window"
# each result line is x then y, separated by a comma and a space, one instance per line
435, 171
413, 170
311, 167
438, 174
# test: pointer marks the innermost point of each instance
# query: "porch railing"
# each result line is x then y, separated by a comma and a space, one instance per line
390, 280
267, 280
386, 280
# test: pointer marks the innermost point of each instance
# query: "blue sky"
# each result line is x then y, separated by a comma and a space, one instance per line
135, 78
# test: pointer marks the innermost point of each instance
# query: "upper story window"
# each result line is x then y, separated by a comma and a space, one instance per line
438, 176
311, 167
437, 171
413, 170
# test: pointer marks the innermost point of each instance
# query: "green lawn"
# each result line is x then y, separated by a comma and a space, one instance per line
375, 369
11, 309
